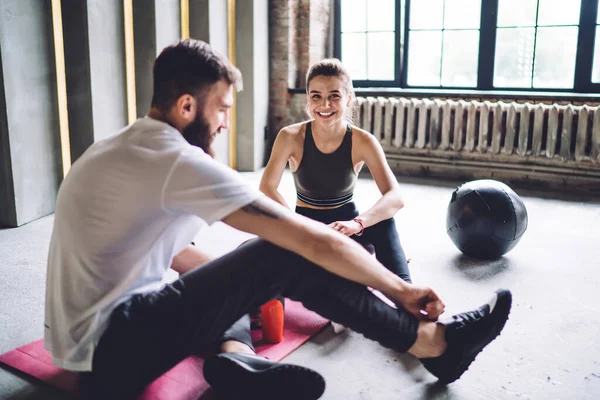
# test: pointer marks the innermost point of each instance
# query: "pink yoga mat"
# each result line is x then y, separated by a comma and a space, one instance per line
185, 380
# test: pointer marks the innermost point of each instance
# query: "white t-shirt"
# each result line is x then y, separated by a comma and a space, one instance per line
128, 205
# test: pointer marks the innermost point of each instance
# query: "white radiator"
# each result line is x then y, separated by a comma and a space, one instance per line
524, 132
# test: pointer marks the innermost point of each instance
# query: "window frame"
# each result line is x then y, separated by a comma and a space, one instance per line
398, 56
487, 51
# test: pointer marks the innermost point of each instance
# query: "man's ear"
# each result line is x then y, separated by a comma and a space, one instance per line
186, 107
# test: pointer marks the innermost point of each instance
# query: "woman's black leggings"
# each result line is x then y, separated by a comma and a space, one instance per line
383, 236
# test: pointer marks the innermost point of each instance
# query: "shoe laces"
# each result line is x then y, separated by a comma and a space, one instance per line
467, 318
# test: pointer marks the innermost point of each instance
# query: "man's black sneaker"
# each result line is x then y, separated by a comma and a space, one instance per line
467, 334
245, 376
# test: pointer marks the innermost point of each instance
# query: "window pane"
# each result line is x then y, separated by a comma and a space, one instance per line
596, 69
381, 15
555, 51
460, 58
354, 54
514, 57
354, 15
517, 12
598, 18
381, 54
462, 14
426, 14
424, 58
559, 12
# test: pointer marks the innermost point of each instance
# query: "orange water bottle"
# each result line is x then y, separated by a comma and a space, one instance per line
271, 317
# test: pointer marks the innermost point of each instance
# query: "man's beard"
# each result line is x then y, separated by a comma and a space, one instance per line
198, 134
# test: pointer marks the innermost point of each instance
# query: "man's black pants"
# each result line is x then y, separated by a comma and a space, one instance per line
151, 333
383, 237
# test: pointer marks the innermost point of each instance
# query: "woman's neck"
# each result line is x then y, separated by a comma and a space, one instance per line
330, 130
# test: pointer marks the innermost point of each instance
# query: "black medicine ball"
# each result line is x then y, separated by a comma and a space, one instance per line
485, 219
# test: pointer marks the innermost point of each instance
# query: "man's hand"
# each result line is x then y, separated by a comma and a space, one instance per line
347, 228
420, 301
335, 253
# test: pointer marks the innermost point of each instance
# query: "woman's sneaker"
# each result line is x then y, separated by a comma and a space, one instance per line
467, 334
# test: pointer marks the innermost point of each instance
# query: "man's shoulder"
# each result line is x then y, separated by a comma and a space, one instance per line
195, 165
142, 130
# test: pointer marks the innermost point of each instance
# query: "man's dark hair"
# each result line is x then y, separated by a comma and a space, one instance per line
189, 67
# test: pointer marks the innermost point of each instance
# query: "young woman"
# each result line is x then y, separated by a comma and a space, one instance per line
325, 155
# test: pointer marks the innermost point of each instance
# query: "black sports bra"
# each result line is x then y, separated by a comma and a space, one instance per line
325, 180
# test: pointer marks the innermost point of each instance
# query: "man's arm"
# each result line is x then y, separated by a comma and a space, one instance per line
332, 251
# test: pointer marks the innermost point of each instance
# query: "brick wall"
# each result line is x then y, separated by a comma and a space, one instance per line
281, 47
299, 35
320, 40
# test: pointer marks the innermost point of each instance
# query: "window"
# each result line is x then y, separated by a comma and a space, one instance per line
536, 48
596, 69
368, 36
533, 45
443, 43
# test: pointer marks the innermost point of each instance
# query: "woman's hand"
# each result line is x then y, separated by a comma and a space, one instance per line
347, 228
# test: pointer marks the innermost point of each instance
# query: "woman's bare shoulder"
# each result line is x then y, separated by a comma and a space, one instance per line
295, 130
362, 137
294, 133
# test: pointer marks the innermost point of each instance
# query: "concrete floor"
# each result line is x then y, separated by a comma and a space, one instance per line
548, 350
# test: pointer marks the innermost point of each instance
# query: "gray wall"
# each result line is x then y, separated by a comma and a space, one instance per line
218, 39
252, 58
208, 22
156, 24
168, 23
107, 63
8, 215
217, 14
30, 128
144, 45
199, 19
95, 70
261, 81
95, 67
